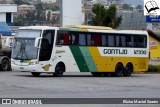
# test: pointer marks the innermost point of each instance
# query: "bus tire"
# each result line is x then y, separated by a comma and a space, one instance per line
5, 66
59, 70
119, 70
35, 74
128, 70
96, 74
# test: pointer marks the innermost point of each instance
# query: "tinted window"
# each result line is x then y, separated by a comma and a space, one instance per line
111, 40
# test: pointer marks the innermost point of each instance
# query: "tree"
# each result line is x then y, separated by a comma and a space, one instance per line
126, 7
106, 17
100, 14
112, 15
20, 2
48, 16
139, 7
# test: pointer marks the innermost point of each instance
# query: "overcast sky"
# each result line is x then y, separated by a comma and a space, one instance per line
134, 2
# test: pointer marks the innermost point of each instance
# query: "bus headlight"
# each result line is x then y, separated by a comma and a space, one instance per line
12, 62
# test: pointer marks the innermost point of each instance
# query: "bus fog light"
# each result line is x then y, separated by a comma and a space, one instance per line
12, 62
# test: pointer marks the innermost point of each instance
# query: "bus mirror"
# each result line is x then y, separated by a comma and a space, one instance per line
8, 42
37, 42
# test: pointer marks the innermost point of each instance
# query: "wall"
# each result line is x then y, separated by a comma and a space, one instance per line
7, 8
2, 17
71, 12
154, 48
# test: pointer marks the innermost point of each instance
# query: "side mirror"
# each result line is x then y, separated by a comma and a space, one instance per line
36, 43
8, 42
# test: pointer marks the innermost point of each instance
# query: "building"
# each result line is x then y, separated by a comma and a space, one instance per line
24, 9
48, 1
71, 12
6, 1
6, 13
154, 45
133, 20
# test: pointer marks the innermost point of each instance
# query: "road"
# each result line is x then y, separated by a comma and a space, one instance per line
78, 85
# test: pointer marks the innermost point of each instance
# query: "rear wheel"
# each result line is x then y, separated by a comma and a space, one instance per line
5, 66
59, 70
128, 70
35, 74
119, 70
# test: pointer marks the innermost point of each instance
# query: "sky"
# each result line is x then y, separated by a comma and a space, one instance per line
134, 2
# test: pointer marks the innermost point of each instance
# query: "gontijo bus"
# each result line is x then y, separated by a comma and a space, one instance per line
99, 50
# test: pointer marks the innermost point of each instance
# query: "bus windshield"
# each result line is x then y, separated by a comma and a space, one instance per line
28, 33
23, 46
23, 49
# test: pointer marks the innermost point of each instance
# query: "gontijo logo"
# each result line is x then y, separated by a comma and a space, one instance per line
151, 7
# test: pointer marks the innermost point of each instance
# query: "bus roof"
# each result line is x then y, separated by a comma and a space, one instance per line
87, 29
38, 27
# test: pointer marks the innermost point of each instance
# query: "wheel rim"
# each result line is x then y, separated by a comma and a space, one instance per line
59, 70
128, 70
119, 70
4, 65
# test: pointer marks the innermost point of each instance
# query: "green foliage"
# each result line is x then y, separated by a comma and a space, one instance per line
100, 14
18, 22
126, 7
106, 17
154, 68
139, 7
20, 2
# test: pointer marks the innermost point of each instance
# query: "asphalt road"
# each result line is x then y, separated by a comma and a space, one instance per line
78, 85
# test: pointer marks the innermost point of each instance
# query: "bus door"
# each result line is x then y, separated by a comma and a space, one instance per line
45, 62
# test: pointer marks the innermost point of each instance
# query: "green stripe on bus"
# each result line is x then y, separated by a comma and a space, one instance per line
88, 58
79, 58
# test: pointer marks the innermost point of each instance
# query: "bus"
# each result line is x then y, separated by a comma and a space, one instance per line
99, 50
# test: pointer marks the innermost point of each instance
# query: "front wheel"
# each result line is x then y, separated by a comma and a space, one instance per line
5, 65
35, 74
59, 70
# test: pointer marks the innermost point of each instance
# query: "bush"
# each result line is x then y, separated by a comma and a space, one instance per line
154, 68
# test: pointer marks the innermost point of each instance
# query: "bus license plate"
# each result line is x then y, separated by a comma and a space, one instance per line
21, 68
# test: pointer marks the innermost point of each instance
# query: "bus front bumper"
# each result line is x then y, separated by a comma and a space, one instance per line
29, 68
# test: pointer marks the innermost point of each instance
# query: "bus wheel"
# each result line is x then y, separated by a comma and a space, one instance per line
96, 74
128, 70
119, 70
35, 74
5, 65
59, 70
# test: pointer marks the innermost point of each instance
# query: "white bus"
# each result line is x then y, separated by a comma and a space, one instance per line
99, 50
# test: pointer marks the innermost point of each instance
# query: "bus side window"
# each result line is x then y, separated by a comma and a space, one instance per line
104, 40
141, 41
96, 40
111, 40
129, 41
82, 39
66, 39
89, 40
123, 40
59, 39
135, 41
118, 41
62, 38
